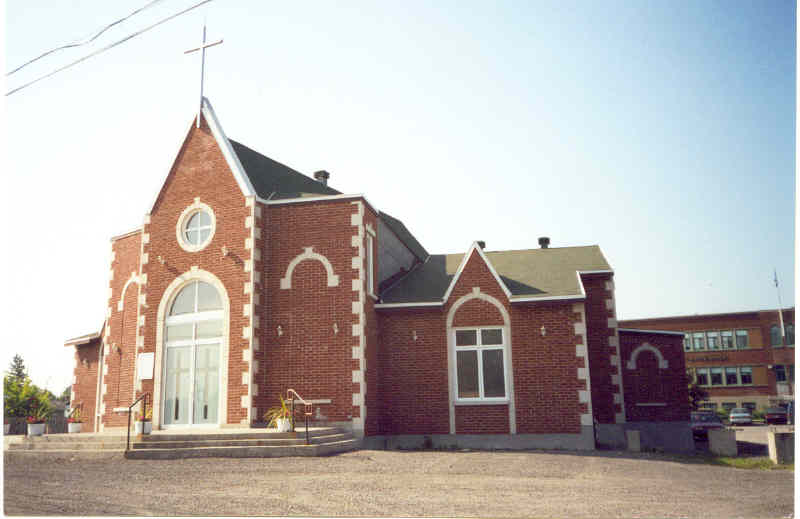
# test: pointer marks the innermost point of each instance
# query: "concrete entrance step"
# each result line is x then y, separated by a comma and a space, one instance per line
240, 434
262, 451
152, 443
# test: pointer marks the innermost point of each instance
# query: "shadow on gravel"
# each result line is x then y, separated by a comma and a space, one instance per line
701, 455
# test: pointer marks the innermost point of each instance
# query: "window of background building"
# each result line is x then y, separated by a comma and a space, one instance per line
742, 339
790, 335
690, 376
775, 336
727, 340
699, 341
746, 375
702, 376
716, 376
687, 343
711, 406
713, 340
731, 376
749, 405
728, 406
780, 373
790, 372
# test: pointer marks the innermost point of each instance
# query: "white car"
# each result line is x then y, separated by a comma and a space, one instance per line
740, 416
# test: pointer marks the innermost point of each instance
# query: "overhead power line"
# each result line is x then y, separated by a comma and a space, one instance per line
85, 40
107, 47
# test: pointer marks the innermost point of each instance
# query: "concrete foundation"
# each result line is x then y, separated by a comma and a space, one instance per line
666, 436
634, 441
781, 447
722, 442
582, 441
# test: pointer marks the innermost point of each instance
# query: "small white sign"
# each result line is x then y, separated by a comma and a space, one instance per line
146, 363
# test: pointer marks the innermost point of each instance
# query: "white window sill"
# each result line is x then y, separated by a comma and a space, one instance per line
503, 401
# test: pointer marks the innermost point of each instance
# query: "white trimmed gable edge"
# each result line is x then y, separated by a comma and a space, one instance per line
224, 145
464, 260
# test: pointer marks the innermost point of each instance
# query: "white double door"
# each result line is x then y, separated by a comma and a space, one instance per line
192, 375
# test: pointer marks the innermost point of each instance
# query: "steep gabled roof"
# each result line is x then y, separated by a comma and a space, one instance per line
529, 273
405, 236
269, 176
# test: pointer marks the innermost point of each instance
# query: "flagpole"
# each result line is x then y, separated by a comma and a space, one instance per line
780, 305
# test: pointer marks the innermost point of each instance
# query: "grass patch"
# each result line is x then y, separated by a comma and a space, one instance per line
743, 462
759, 463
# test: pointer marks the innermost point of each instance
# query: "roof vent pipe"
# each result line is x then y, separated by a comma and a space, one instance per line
482, 244
544, 242
322, 177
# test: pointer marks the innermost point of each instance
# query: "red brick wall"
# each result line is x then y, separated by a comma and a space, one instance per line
119, 378
371, 375
85, 387
413, 384
482, 419
673, 389
412, 381
201, 171
309, 356
597, 335
546, 380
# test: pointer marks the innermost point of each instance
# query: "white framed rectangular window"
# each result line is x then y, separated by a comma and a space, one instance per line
716, 376
702, 376
727, 340
699, 341
746, 375
742, 339
370, 278
731, 376
713, 340
687, 343
481, 370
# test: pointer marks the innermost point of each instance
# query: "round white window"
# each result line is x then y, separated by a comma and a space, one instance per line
196, 227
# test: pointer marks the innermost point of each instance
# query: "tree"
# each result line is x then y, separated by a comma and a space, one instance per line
696, 395
65, 395
17, 369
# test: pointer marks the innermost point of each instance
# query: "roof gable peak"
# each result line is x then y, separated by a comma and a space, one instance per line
475, 247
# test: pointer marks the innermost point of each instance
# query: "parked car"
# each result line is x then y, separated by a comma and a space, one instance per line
775, 415
740, 416
703, 421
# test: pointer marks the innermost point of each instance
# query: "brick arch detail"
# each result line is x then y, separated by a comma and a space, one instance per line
133, 279
309, 254
662, 363
477, 294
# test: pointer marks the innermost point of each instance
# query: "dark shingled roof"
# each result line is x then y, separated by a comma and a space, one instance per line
269, 176
529, 273
403, 234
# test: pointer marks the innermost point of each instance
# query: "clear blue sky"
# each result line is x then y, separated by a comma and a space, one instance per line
662, 131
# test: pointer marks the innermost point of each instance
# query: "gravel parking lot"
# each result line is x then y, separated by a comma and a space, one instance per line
380, 483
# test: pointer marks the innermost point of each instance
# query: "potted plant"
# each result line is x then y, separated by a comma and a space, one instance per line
279, 417
144, 423
75, 422
38, 418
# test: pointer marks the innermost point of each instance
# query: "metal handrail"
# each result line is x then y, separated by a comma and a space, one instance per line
306, 413
144, 396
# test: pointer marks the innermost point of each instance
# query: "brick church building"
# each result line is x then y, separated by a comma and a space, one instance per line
248, 278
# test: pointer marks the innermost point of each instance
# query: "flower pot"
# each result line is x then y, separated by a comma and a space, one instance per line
283, 425
143, 427
35, 429
74, 427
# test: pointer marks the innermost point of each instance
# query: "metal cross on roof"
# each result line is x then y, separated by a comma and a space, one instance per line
202, 48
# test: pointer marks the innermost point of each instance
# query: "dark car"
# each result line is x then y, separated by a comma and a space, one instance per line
702, 422
775, 415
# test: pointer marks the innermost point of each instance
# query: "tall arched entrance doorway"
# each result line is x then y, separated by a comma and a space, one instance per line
193, 331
